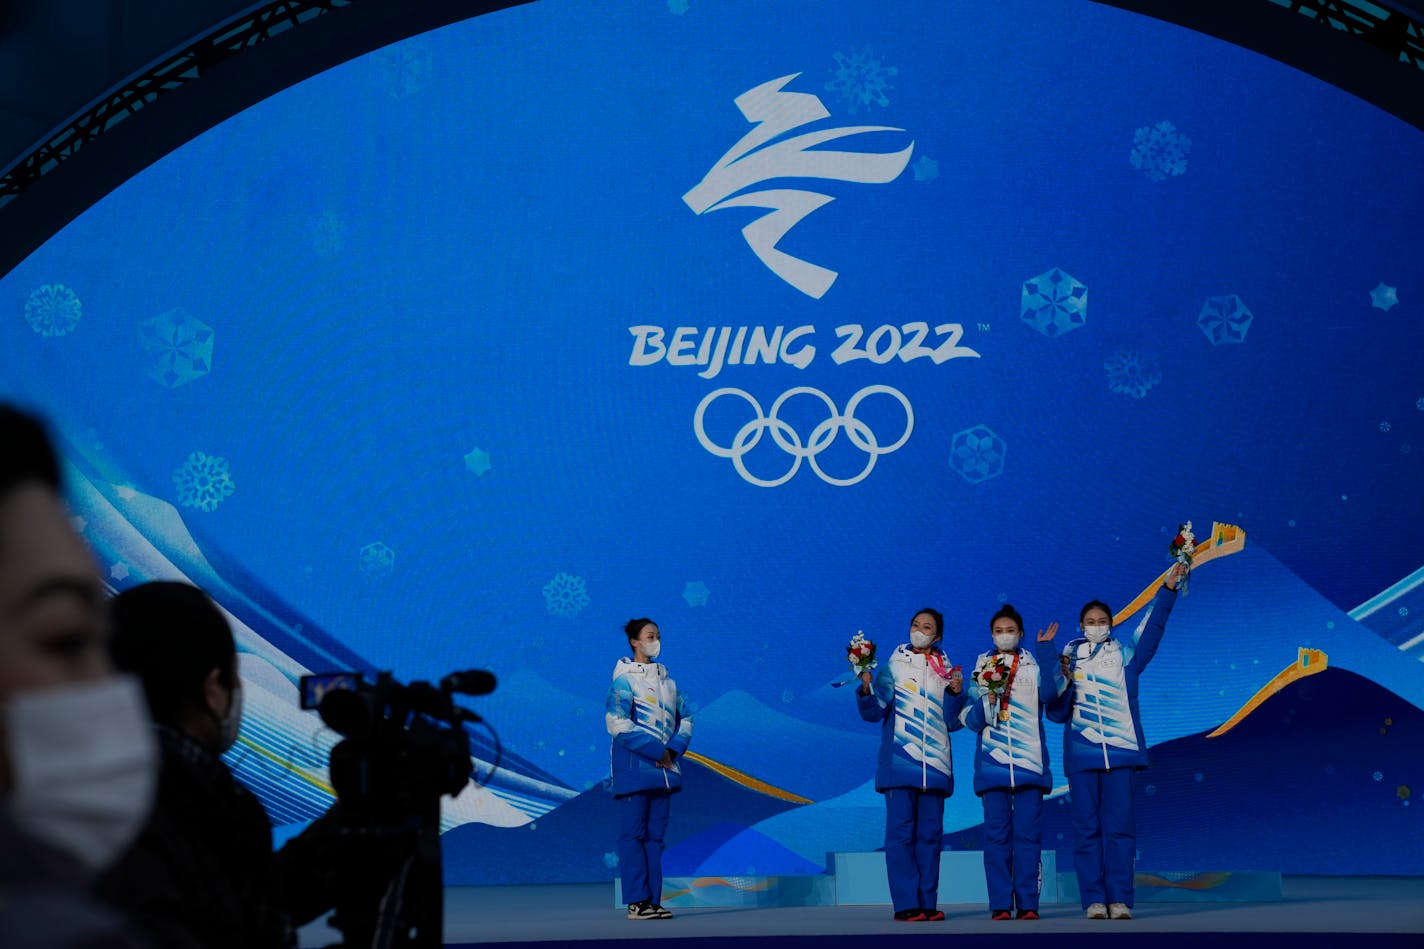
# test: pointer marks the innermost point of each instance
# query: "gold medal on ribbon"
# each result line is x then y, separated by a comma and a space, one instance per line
1003, 711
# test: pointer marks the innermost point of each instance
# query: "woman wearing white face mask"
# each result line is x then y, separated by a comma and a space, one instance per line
1103, 745
651, 724
913, 696
1011, 768
77, 762
202, 871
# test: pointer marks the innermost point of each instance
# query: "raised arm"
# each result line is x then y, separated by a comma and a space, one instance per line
1146, 646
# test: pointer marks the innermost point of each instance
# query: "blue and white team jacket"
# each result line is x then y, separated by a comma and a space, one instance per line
1105, 730
1014, 753
913, 705
646, 716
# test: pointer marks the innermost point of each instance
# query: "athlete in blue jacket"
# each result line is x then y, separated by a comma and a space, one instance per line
1103, 745
1011, 771
651, 726
914, 694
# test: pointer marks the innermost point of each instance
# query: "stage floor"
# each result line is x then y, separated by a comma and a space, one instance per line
1323, 911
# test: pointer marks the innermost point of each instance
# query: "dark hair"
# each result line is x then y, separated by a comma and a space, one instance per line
1089, 605
1006, 611
26, 453
171, 636
938, 618
635, 626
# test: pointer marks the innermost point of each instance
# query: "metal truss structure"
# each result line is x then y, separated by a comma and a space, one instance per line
1389, 29
140, 91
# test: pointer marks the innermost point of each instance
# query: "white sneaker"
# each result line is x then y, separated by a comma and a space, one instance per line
1119, 911
1097, 911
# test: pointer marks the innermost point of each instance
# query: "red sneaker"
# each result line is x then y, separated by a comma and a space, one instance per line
933, 916
1002, 914
910, 916
1028, 914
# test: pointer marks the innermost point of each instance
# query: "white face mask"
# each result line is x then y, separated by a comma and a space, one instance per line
1096, 634
230, 723
650, 650
84, 764
921, 640
1006, 642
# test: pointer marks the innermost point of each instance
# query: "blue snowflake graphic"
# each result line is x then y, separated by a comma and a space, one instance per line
861, 79
1420, 405
53, 310
1385, 426
328, 234
1054, 303
565, 595
1132, 373
610, 859
926, 169
1378, 776
376, 559
696, 593
1225, 320
406, 67
678, 7
1384, 296
477, 462
977, 454
203, 481
1160, 151
182, 347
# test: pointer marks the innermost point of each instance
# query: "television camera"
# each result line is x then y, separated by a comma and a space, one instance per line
403, 747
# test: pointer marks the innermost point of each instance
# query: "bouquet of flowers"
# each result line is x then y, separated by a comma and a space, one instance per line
1182, 549
994, 674
861, 653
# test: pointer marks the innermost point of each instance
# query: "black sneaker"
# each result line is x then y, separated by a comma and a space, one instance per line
910, 916
643, 910
661, 912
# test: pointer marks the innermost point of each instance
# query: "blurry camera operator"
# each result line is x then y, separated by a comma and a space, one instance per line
201, 873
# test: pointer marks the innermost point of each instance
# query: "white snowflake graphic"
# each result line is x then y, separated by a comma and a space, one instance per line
1160, 151
1132, 373
861, 79
565, 595
53, 310
203, 481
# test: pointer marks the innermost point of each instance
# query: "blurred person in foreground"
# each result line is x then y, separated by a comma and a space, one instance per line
77, 759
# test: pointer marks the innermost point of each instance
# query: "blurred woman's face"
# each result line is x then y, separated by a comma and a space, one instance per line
53, 628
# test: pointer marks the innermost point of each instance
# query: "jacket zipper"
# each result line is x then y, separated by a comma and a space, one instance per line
924, 723
1098, 703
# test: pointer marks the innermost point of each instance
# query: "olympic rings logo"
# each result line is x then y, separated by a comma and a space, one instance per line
789, 440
